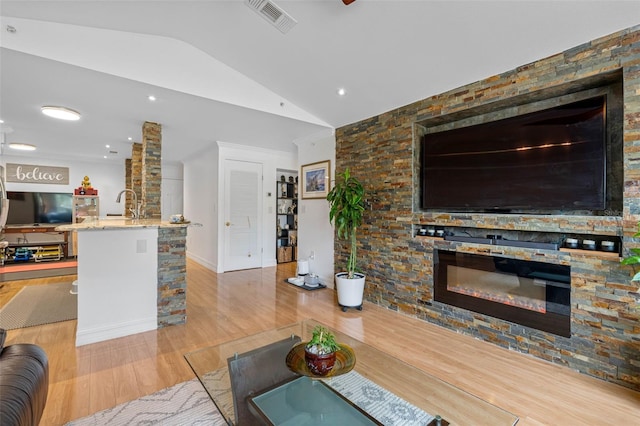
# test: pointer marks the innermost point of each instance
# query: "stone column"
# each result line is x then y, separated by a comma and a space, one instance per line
151, 169
133, 176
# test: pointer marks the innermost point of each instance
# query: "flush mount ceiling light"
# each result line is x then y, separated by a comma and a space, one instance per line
151, 98
22, 146
341, 91
61, 113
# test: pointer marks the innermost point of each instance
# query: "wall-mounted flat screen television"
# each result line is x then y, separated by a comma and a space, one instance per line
29, 208
549, 160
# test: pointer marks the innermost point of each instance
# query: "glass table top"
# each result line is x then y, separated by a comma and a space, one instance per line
378, 370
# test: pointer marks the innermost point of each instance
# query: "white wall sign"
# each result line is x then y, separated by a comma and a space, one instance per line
28, 173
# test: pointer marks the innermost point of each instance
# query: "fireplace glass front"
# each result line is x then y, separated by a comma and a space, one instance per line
529, 293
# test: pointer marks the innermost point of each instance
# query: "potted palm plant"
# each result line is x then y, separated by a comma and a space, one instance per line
346, 207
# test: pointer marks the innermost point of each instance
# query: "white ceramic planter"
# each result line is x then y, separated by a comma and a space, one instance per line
350, 291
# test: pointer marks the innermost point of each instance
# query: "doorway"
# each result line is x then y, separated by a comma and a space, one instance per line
242, 216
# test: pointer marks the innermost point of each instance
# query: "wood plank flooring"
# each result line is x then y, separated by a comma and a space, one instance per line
221, 307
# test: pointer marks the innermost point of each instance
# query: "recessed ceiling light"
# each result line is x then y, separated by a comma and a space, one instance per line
22, 146
1, 121
107, 146
341, 91
130, 138
151, 98
61, 113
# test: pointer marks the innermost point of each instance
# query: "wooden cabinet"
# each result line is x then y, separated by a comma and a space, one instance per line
39, 243
286, 220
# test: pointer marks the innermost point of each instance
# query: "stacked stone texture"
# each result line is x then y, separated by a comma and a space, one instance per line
605, 312
134, 181
172, 276
152, 169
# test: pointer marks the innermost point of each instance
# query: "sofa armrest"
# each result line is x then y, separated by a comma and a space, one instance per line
24, 382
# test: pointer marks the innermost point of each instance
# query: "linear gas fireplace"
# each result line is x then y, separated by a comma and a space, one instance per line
532, 294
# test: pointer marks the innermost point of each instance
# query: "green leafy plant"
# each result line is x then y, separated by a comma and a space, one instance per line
346, 200
633, 259
322, 341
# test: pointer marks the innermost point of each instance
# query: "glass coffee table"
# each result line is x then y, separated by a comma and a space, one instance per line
374, 387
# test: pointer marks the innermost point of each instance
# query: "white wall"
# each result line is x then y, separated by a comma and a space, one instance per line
204, 200
315, 233
201, 206
271, 161
172, 190
106, 177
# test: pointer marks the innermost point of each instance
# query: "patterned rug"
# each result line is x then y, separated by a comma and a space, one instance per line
39, 304
189, 404
184, 404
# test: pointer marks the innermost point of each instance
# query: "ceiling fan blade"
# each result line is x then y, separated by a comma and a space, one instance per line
348, 2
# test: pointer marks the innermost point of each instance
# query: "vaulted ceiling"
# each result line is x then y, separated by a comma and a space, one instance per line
220, 72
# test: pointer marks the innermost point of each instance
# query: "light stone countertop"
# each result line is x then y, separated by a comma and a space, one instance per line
118, 223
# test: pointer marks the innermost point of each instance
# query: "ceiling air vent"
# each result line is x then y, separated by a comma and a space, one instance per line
272, 13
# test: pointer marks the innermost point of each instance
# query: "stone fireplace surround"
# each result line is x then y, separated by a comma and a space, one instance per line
605, 310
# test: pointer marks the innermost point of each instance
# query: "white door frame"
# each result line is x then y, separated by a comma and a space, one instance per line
254, 253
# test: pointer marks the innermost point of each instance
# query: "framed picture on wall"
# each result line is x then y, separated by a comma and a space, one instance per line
315, 179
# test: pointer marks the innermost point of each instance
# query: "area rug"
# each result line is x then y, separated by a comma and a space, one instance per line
186, 403
39, 304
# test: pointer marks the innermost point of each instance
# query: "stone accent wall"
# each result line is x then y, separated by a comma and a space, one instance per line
152, 169
172, 276
133, 177
605, 308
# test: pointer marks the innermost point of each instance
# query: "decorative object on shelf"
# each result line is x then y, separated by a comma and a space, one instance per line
608, 245
177, 218
571, 243
315, 179
320, 351
283, 179
292, 208
85, 188
346, 207
290, 179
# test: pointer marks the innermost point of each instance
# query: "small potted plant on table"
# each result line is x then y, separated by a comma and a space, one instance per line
320, 352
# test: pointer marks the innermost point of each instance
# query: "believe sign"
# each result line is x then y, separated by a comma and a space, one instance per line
28, 173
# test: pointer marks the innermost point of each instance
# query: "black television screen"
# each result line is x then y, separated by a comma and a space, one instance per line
28, 208
549, 160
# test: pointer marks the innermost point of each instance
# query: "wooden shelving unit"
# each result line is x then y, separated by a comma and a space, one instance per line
286, 220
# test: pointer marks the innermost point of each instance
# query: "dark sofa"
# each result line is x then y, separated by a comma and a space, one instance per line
24, 382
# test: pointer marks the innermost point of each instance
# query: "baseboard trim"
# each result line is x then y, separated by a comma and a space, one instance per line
99, 334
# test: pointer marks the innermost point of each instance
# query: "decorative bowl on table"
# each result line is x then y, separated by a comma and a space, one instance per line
344, 362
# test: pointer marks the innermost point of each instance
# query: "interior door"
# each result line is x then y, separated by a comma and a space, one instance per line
243, 221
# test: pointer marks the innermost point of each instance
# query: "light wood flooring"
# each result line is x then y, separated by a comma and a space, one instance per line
221, 307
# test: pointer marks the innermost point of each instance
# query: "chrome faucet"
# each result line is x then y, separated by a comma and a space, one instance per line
135, 212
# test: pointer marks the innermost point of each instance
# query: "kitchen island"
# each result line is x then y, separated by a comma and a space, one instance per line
131, 276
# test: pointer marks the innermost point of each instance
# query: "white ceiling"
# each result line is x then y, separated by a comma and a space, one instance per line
222, 73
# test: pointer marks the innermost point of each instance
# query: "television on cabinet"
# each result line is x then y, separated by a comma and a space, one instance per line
31, 208
545, 161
